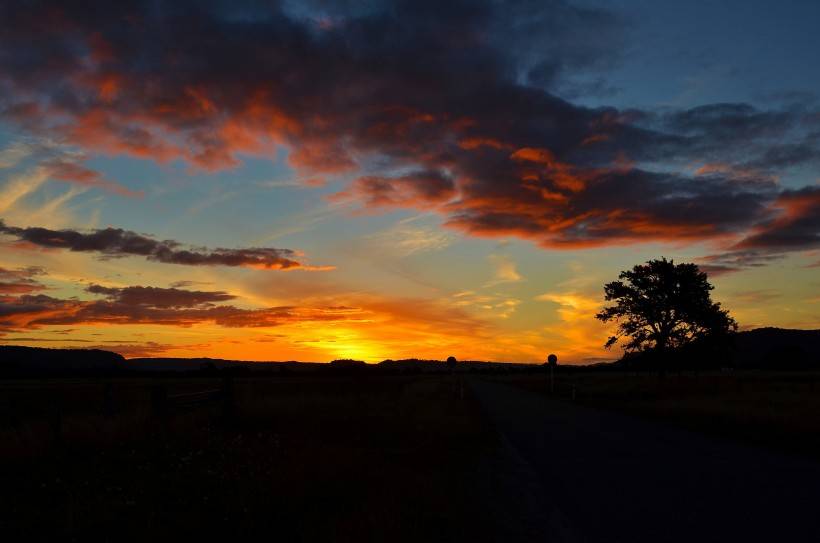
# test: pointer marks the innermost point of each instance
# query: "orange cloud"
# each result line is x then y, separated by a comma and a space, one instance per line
475, 143
410, 190
561, 174
151, 306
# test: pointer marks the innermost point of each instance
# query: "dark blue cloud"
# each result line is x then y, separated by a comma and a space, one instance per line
468, 92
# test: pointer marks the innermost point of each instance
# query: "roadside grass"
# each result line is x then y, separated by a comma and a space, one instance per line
383, 458
776, 410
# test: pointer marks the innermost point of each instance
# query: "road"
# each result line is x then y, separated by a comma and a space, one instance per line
599, 476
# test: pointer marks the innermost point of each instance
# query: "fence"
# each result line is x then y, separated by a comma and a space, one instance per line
161, 410
164, 405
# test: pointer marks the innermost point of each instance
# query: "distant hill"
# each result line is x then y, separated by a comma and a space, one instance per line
20, 361
24, 361
761, 348
777, 348
406, 365
205, 364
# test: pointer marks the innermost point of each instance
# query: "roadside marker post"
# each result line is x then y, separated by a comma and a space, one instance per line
458, 385
552, 361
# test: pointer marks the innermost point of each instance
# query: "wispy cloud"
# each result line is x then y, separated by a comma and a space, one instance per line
577, 331
19, 186
407, 237
492, 305
14, 153
505, 270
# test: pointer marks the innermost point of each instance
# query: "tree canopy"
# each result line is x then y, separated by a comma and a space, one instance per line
661, 305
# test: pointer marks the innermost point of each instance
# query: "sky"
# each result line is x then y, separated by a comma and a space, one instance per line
316, 180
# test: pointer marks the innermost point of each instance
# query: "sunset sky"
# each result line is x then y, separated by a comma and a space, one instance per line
311, 180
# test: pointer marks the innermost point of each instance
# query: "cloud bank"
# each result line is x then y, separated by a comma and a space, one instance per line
118, 243
458, 108
154, 305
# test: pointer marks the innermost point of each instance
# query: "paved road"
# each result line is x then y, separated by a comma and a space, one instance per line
606, 477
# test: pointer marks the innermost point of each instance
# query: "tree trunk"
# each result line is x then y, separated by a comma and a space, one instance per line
661, 362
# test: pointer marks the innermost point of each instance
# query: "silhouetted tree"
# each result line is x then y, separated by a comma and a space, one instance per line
662, 305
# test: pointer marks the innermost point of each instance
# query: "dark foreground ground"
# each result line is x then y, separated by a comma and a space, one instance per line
411, 458
608, 477
304, 459
775, 410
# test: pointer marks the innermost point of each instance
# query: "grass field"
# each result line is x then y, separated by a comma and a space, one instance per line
778, 410
306, 458
325, 458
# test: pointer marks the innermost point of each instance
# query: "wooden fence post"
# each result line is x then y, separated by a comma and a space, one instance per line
108, 400
228, 399
552, 379
159, 401
55, 421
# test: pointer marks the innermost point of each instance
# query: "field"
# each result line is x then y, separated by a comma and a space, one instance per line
776, 410
382, 458
359, 457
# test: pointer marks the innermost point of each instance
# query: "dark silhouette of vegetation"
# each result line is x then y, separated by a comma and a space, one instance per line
347, 363
661, 306
345, 366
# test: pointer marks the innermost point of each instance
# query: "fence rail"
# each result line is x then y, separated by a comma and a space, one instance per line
163, 407
163, 404
193, 399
